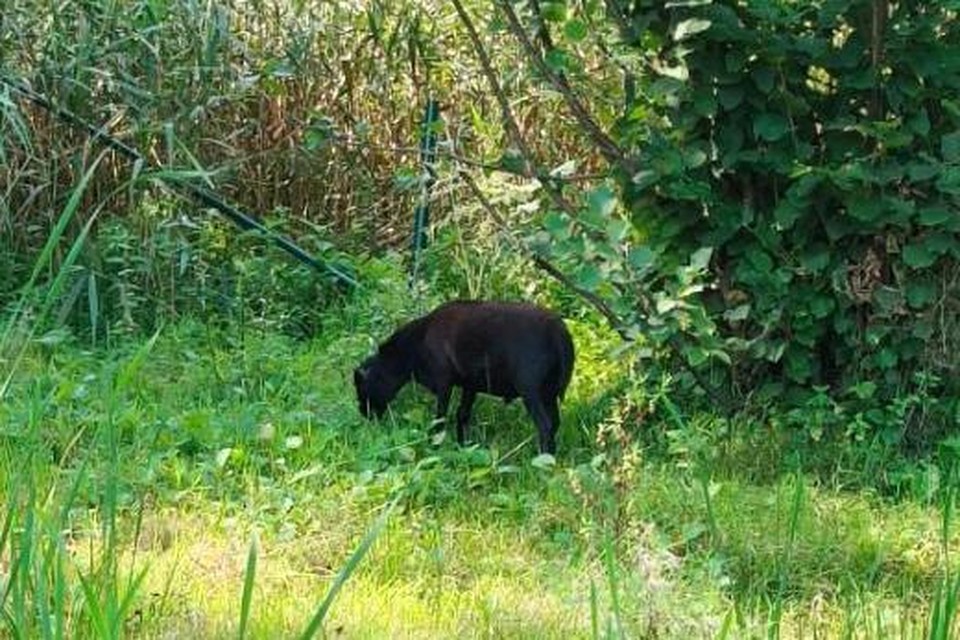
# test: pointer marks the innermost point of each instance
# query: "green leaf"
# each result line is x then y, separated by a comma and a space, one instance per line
696, 356
771, 350
815, 258
617, 230
949, 181
864, 390
918, 256
887, 358
588, 276
821, 306
701, 258
734, 60
950, 147
591, 219
919, 123
737, 314
920, 293
789, 211
318, 134
602, 201
575, 30
764, 78
690, 27
939, 243
553, 11
544, 461
771, 126
921, 171
935, 216
645, 178
922, 329
797, 364
557, 224
640, 258
558, 60
512, 161
864, 208
704, 103
695, 157
759, 260
720, 355
730, 97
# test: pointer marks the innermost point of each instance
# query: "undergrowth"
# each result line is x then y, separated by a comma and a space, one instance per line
215, 482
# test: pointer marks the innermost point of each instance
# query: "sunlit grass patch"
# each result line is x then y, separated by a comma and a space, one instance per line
422, 579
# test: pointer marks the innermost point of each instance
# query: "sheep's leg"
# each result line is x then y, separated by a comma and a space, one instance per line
543, 417
463, 413
553, 412
443, 403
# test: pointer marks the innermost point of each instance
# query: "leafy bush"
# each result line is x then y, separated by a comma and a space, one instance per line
807, 156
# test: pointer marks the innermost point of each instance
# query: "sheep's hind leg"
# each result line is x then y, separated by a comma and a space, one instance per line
543, 417
463, 413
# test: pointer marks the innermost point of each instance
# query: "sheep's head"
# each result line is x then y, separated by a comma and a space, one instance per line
376, 385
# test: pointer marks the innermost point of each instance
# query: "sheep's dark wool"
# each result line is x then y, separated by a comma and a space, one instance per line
504, 349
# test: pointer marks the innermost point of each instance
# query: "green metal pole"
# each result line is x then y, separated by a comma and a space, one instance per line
428, 155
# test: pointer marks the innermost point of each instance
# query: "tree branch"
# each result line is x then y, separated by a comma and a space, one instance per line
611, 150
509, 121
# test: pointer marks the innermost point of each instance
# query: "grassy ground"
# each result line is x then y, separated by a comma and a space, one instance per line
137, 480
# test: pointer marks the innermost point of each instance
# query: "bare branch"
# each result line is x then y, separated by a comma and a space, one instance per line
610, 149
509, 121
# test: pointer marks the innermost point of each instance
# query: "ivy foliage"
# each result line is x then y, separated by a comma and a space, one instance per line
808, 155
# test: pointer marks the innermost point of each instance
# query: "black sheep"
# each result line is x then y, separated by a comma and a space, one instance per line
505, 349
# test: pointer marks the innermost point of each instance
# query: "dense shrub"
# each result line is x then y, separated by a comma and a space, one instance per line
811, 152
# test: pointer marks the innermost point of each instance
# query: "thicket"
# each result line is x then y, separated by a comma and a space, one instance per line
304, 114
803, 156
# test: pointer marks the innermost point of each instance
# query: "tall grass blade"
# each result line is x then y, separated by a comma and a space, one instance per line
93, 606
249, 577
20, 564
59, 592
727, 625
351, 565
41, 589
796, 508
93, 303
613, 582
10, 624
17, 125
704, 478
129, 597
943, 613
594, 612
46, 254
69, 210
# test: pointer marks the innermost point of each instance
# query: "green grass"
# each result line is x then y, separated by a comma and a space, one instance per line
136, 480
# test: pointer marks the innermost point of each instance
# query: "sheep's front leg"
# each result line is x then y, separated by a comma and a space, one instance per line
443, 403
463, 413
